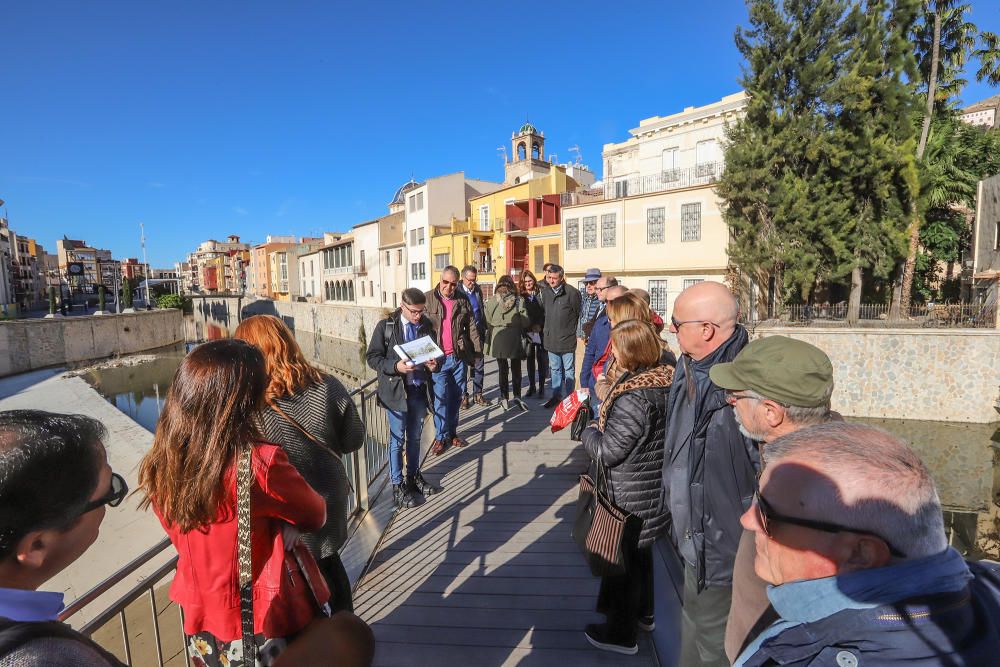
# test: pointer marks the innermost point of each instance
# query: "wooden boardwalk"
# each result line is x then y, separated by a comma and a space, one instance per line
486, 573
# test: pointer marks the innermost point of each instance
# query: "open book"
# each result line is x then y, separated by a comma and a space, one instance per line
418, 351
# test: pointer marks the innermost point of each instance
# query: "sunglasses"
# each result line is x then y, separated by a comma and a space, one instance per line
113, 498
679, 323
766, 515
415, 311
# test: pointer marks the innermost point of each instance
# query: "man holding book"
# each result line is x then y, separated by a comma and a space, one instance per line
404, 391
457, 335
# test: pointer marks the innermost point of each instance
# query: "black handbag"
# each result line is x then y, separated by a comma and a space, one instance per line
580, 421
605, 533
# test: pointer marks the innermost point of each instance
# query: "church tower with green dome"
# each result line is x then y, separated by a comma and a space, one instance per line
527, 160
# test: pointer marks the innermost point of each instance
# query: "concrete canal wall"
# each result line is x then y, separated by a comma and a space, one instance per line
27, 345
928, 374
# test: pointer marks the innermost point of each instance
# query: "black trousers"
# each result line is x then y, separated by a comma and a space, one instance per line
341, 598
627, 598
537, 358
514, 367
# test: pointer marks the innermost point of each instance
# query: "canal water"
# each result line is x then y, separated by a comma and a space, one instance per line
964, 458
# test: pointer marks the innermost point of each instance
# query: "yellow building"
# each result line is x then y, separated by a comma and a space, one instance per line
515, 227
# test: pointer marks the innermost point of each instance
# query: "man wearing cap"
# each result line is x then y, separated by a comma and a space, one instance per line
776, 385
590, 305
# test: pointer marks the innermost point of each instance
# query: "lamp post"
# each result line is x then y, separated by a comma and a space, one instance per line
142, 233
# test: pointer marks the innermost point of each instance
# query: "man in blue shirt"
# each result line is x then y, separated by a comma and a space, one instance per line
474, 293
848, 531
55, 483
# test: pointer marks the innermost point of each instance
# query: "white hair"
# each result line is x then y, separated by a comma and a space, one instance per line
797, 414
882, 486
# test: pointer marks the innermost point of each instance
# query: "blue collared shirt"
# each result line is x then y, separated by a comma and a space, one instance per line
30, 606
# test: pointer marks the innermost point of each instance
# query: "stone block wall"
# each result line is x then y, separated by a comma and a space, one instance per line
29, 344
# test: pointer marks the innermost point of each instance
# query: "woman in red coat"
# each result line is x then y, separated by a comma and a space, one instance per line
189, 477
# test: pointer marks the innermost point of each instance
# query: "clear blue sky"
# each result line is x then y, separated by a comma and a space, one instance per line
203, 119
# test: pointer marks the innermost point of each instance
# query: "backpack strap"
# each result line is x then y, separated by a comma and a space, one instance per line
387, 331
15, 634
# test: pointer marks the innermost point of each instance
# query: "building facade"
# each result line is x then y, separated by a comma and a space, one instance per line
338, 270
393, 265
366, 265
984, 114
656, 221
984, 283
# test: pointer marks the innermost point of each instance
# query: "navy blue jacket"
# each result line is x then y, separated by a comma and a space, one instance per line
960, 628
596, 344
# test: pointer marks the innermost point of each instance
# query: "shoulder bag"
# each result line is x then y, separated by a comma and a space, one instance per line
304, 568
605, 532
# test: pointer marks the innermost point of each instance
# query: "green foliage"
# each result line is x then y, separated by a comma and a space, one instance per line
170, 301
127, 288
820, 172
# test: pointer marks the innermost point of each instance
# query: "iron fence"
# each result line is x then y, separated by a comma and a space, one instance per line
951, 315
705, 173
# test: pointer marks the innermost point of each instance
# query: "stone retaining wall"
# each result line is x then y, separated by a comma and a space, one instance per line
29, 344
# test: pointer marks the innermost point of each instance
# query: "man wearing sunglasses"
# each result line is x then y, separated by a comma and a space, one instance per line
849, 533
709, 469
55, 483
776, 385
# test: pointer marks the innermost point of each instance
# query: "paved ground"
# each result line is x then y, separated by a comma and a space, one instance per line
486, 572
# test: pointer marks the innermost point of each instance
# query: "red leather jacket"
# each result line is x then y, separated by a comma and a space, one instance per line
206, 584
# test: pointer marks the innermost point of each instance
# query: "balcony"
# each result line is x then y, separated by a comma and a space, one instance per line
486, 265
337, 270
664, 181
360, 269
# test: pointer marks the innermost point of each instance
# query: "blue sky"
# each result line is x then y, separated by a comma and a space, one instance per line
203, 119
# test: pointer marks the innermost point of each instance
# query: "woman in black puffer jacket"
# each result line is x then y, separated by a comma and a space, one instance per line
628, 441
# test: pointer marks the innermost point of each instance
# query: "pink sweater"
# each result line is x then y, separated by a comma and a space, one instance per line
447, 344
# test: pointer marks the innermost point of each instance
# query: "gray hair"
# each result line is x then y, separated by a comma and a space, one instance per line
798, 414
882, 486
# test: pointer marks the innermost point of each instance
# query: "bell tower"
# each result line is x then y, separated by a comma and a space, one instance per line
527, 159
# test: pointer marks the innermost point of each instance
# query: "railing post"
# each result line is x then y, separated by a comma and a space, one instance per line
361, 458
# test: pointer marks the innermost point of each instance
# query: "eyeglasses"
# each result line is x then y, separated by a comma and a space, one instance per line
677, 324
601, 289
113, 498
415, 311
767, 515
732, 397
449, 282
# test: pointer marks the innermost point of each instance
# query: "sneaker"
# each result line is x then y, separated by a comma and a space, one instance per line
646, 623
402, 497
521, 404
597, 635
418, 484
505, 403
552, 402
438, 447
530, 392
479, 400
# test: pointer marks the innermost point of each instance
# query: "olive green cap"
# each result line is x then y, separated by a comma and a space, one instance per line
786, 370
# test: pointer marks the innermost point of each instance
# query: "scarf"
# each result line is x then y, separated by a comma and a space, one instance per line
658, 376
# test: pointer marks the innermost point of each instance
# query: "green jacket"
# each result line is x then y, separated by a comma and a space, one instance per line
508, 323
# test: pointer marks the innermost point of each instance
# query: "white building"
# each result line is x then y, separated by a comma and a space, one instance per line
656, 222
310, 272
982, 113
430, 205
368, 290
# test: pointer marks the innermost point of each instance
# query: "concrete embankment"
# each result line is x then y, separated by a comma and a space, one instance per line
126, 531
27, 345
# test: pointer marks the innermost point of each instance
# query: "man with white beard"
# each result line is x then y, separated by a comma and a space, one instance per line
776, 385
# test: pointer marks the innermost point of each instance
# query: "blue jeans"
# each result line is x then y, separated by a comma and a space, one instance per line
448, 385
477, 371
407, 427
562, 366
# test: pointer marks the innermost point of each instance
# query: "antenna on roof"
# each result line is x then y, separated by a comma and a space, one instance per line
503, 153
575, 150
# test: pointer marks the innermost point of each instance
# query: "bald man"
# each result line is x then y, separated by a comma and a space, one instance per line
709, 470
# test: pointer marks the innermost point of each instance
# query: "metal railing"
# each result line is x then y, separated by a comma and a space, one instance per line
364, 467
950, 315
670, 179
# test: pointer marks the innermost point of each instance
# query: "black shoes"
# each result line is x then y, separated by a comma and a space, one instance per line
646, 623
402, 497
552, 402
597, 635
417, 484
530, 392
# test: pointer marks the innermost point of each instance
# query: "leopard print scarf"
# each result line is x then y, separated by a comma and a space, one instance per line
659, 376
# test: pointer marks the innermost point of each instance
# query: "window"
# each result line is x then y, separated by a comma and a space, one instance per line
413, 203
553, 253
654, 225
441, 261
996, 237
690, 222
413, 237
388, 257
590, 232
608, 230
621, 189
688, 282
361, 259
418, 270
371, 288
669, 165
706, 157
420, 236
312, 272
399, 257
383, 297
658, 297
484, 218
362, 287
539, 259
573, 234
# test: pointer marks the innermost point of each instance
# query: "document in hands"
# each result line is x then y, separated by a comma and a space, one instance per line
418, 351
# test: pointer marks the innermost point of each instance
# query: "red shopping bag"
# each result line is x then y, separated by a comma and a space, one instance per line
565, 412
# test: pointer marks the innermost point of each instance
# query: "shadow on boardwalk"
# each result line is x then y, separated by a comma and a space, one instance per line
486, 572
